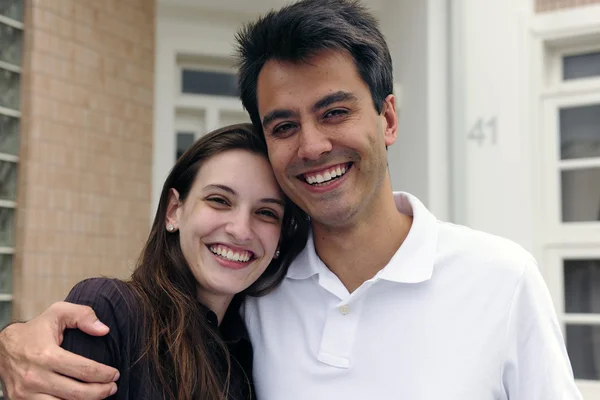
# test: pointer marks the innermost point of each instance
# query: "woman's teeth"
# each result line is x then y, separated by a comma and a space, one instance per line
228, 254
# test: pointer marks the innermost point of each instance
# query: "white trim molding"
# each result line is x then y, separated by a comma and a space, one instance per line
567, 23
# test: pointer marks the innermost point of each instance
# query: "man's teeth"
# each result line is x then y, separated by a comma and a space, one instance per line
227, 253
326, 175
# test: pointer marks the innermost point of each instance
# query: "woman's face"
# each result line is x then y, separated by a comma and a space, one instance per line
230, 223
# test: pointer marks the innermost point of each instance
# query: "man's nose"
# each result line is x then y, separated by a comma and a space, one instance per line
313, 143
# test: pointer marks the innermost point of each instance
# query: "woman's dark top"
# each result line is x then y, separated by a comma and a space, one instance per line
115, 305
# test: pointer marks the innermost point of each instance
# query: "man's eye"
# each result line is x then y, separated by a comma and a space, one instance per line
335, 113
282, 128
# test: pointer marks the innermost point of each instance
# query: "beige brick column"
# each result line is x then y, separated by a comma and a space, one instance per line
83, 200
553, 5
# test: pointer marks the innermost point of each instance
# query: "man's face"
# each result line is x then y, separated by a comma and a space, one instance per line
325, 139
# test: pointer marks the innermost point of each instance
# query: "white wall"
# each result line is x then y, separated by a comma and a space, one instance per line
494, 177
417, 36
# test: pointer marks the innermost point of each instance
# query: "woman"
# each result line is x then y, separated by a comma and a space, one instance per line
223, 229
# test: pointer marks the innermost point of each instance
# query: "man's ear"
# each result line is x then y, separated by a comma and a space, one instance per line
172, 217
390, 120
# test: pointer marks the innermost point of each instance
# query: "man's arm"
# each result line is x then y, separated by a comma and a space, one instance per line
33, 366
537, 366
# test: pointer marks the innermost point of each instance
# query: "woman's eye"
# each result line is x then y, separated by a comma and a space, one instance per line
218, 200
269, 214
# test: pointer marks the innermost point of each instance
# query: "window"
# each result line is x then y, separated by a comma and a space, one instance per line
571, 134
207, 98
13, 9
190, 124
579, 130
580, 66
184, 141
575, 284
209, 82
570, 143
11, 42
11, 37
582, 296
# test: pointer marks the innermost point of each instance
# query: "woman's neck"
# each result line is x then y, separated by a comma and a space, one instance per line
216, 303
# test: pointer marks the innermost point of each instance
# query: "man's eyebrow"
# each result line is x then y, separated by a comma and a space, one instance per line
333, 98
277, 114
326, 101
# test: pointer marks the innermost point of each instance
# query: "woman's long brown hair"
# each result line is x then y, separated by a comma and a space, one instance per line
180, 348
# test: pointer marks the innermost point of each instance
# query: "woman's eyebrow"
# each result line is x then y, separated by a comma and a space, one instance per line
272, 200
221, 187
225, 188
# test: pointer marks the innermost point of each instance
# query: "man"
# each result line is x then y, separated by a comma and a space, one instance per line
385, 302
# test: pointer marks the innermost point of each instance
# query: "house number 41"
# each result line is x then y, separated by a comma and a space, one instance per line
484, 131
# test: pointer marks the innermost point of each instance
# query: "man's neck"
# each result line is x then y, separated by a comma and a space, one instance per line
355, 253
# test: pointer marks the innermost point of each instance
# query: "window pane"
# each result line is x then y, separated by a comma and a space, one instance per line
580, 132
583, 345
5, 313
581, 66
582, 286
9, 134
12, 9
5, 273
6, 226
8, 180
9, 89
208, 82
11, 40
581, 195
184, 141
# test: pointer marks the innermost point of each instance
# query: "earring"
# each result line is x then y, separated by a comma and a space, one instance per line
170, 227
276, 255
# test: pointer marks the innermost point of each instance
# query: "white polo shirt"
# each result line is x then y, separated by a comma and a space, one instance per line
456, 315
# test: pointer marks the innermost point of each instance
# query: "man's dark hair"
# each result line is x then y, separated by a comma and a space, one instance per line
298, 31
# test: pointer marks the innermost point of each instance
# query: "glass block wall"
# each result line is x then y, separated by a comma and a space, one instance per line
11, 43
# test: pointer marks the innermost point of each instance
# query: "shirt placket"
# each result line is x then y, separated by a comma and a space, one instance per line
341, 325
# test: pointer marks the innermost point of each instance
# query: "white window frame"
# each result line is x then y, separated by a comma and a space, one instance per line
556, 231
554, 35
211, 106
553, 260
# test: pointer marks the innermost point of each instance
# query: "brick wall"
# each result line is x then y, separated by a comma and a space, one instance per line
553, 5
86, 145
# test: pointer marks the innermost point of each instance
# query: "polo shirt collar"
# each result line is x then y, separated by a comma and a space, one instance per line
412, 263
307, 263
414, 260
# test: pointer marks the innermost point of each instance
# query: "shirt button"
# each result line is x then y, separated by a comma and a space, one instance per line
345, 309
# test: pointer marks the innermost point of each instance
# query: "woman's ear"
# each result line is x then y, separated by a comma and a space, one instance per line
172, 217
